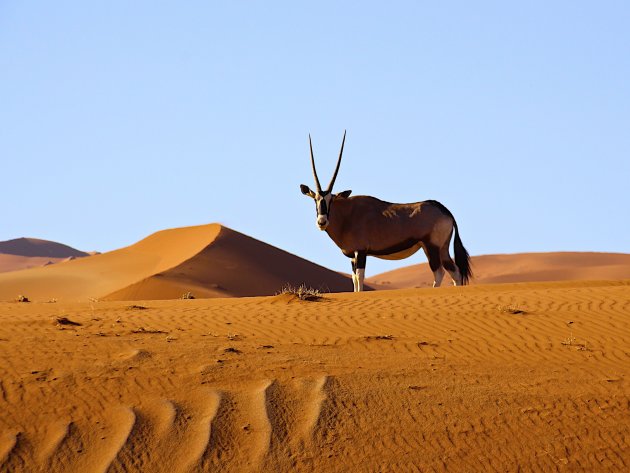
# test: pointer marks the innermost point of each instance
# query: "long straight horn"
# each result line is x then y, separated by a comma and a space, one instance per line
332, 181
319, 187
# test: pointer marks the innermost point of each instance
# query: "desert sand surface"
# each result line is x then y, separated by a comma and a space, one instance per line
519, 267
509, 377
24, 253
206, 260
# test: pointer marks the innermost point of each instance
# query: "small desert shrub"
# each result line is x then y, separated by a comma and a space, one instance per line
135, 307
302, 292
65, 321
379, 337
188, 295
22, 298
511, 309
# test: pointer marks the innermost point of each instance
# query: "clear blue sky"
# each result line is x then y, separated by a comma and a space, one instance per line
119, 118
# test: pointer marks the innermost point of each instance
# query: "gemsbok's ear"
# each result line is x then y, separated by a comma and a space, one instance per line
345, 194
307, 190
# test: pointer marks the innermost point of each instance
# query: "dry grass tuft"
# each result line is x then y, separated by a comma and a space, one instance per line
379, 337
188, 295
65, 321
302, 292
148, 331
511, 309
573, 342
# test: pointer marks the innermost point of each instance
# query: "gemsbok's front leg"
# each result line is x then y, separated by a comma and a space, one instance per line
359, 262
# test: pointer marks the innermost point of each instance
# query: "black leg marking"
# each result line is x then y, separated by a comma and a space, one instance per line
433, 255
360, 259
448, 264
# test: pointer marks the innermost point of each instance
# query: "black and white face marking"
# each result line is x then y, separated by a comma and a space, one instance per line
322, 203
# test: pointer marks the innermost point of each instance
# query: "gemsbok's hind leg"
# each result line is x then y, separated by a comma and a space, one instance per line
450, 266
435, 263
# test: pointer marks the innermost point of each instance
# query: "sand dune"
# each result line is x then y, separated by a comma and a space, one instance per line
207, 260
522, 267
510, 377
24, 253
36, 247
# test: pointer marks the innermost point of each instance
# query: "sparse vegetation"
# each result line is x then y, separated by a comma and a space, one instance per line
65, 321
22, 298
379, 337
302, 292
571, 341
135, 307
188, 295
511, 309
149, 331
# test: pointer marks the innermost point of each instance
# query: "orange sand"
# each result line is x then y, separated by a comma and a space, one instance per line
514, 377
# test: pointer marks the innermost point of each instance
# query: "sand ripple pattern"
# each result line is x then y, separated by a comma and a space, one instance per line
529, 377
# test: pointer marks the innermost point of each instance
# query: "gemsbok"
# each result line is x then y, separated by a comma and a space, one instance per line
363, 226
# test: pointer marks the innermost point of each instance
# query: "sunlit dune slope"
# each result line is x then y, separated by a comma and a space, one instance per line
102, 274
207, 260
522, 267
24, 253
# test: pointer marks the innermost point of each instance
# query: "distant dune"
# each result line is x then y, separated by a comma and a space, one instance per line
207, 260
24, 253
36, 247
521, 267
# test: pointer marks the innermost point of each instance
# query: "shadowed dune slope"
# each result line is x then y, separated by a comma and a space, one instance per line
521, 267
208, 260
24, 253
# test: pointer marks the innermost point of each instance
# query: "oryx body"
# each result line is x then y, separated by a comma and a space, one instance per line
364, 226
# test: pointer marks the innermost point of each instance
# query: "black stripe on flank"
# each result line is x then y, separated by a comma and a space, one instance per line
402, 246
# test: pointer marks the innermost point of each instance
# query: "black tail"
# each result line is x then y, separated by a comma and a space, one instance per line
462, 258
